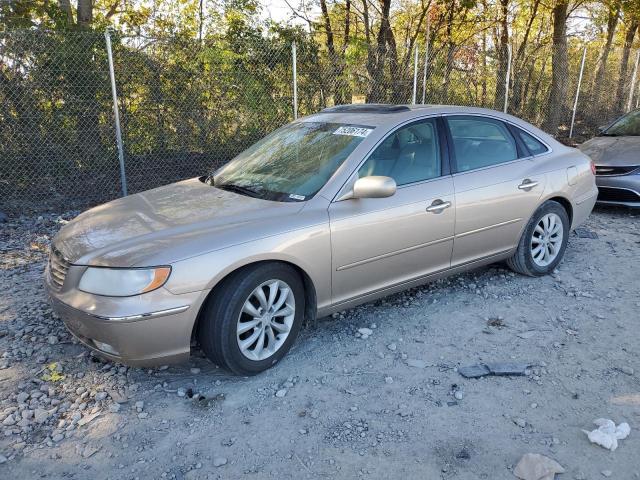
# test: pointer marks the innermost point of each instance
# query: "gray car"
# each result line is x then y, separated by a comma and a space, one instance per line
616, 153
330, 211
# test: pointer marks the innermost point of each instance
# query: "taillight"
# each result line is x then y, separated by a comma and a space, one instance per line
593, 167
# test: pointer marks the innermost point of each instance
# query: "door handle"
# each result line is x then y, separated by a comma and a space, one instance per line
438, 206
527, 184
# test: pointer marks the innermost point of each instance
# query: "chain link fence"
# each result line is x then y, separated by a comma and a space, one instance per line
187, 106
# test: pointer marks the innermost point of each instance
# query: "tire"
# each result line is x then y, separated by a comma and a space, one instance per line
523, 260
226, 313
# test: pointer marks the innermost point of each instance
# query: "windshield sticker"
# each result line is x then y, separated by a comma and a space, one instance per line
353, 131
296, 197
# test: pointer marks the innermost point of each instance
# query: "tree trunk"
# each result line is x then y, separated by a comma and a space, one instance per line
451, 48
624, 65
519, 64
65, 6
484, 69
378, 56
335, 61
85, 14
559, 66
503, 56
597, 87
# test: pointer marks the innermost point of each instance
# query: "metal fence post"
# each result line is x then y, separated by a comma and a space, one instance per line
575, 102
294, 59
415, 75
116, 115
633, 82
506, 80
426, 66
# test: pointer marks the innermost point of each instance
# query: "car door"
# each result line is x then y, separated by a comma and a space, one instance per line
497, 187
380, 242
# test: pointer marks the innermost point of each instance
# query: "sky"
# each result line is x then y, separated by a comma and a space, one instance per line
279, 11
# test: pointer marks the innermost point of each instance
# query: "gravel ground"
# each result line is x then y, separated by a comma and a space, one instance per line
345, 402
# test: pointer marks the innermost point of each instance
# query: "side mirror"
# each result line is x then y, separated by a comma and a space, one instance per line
374, 187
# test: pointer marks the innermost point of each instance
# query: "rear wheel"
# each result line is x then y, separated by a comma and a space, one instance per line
253, 318
543, 241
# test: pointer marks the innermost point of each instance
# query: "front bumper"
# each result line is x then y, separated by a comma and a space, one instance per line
619, 189
144, 330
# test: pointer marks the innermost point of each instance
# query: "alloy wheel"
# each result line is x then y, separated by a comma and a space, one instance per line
546, 240
265, 320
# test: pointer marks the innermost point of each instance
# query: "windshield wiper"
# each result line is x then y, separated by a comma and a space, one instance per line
231, 187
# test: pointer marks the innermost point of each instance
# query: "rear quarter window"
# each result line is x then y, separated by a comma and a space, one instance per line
535, 146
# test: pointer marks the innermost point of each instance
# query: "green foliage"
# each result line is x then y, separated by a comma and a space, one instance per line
196, 86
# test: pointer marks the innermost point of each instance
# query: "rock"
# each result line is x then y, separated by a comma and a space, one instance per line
388, 379
365, 332
3, 218
139, 405
281, 393
143, 415
458, 395
114, 407
181, 392
195, 371
117, 396
392, 346
40, 415
100, 396
413, 362
3, 459
58, 437
89, 450
88, 418
52, 339
606, 473
533, 466
626, 370
7, 422
527, 335
521, 422
219, 461
22, 397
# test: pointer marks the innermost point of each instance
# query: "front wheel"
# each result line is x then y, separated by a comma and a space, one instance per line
543, 241
253, 318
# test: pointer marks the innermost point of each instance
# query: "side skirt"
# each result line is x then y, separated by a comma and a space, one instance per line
352, 302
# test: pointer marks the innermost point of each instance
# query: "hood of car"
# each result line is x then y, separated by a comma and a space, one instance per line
614, 151
167, 224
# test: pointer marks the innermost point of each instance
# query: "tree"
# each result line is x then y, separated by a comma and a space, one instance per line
613, 9
559, 66
631, 20
503, 54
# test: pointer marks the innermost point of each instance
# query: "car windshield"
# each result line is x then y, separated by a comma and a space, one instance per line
628, 125
292, 163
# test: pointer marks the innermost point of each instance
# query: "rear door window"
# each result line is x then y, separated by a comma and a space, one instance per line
480, 142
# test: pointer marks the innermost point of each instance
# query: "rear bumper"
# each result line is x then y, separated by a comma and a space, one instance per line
619, 190
583, 207
135, 331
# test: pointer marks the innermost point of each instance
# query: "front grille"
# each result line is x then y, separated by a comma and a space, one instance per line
58, 267
608, 171
608, 194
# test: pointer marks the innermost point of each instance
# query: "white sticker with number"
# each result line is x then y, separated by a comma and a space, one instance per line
353, 131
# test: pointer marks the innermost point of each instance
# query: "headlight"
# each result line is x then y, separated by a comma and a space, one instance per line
123, 282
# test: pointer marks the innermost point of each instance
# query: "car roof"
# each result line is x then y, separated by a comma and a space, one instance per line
378, 114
